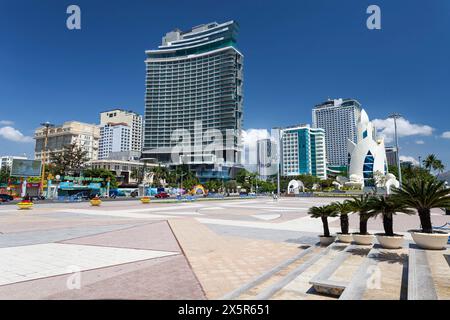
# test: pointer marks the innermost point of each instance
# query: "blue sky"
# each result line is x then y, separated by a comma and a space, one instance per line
297, 54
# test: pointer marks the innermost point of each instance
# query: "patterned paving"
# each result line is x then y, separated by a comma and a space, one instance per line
26, 263
222, 263
126, 250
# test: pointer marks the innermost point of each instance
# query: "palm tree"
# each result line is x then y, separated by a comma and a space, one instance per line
362, 206
429, 161
387, 207
323, 212
160, 174
439, 167
423, 195
343, 208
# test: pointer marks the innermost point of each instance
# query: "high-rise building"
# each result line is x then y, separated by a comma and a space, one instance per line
84, 135
128, 118
303, 151
114, 137
193, 77
339, 120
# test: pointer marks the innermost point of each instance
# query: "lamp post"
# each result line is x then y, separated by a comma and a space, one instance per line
396, 116
280, 137
47, 125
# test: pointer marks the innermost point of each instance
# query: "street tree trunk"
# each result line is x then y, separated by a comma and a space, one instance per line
425, 220
362, 225
388, 224
344, 223
326, 231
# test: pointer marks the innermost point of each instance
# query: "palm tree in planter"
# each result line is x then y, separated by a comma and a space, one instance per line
324, 212
362, 206
387, 206
343, 209
423, 195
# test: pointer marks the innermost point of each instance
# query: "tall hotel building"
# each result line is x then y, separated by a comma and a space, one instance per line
303, 151
120, 130
339, 119
194, 76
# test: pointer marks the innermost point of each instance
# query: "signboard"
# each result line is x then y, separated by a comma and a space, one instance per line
95, 185
26, 168
82, 179
33, 185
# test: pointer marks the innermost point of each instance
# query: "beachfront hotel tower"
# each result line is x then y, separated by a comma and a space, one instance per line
194, 81
303, 151
339, 119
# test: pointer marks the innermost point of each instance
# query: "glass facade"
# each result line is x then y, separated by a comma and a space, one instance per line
193, 76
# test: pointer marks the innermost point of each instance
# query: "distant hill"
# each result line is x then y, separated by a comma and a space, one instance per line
445, 176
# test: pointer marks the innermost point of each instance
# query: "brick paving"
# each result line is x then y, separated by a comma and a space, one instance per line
224, 244
152, 236
158, 279
222, 263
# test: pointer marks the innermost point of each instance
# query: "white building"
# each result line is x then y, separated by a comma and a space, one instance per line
303, 151
84, 135
127, 118
6, 161
114, 137
339, 120
367, 155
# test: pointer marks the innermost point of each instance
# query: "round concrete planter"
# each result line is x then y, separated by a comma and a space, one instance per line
145, 200
25, 205
363, 239
345, 238
325, 241
95, 202
390, 242
434, 241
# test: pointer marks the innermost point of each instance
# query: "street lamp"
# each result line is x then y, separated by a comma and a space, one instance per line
280, 136
396, 116
47, 125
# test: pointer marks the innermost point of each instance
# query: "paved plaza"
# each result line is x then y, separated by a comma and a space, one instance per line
129, 250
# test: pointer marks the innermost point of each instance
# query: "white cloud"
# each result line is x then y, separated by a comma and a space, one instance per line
420, 142
409, 159
446, 135
249, 140
405, 128
9, 133
6, 122
251, 136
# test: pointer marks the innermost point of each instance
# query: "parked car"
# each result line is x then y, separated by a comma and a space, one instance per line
162, 195
37, 198
134, 193
6, 197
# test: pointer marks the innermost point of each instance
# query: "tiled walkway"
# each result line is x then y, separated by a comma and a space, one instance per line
46, 260
223, 263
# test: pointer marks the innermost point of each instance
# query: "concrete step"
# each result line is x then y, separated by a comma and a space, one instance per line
296, 284
336, 275
429, 274
382, 275
251, 289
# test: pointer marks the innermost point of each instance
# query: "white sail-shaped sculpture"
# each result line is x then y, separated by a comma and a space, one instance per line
368, 155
